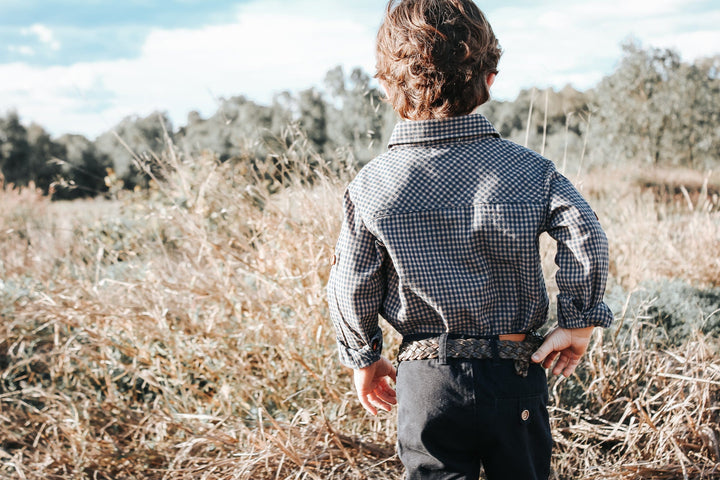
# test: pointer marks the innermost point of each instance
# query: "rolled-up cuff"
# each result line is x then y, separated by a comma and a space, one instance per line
365, 356
569, 316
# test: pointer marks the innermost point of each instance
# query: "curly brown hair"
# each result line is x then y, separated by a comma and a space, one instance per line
434, 56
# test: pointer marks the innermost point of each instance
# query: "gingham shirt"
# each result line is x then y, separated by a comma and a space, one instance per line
440, 234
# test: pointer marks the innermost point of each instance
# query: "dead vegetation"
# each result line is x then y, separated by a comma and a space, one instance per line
182, 333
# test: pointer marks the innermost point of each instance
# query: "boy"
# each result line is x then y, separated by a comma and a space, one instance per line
440, 237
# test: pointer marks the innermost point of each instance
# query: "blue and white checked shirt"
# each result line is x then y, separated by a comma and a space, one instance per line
440, 234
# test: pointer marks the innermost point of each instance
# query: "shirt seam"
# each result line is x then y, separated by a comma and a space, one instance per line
431, 142
386, 214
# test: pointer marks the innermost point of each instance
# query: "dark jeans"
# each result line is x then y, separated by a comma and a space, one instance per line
457, 415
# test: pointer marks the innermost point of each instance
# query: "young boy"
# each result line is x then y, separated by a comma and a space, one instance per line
440, 237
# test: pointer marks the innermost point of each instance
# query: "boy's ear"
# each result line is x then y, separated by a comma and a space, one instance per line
490, 79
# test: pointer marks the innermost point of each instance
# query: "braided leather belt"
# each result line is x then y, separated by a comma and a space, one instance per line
474, 348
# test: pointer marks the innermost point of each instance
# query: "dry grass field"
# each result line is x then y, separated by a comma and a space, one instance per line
182, 333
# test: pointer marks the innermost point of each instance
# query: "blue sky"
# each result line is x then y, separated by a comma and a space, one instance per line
67, 32
80, 66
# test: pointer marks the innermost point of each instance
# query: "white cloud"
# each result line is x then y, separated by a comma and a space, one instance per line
43, 34
262, 52
273, 45
621, 10
22, 50
561, 42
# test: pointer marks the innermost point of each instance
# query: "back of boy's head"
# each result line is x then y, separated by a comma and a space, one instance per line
434, 56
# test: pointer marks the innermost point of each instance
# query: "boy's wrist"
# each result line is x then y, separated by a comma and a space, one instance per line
582, 332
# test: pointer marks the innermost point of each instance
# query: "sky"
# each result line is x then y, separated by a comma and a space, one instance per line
81, 66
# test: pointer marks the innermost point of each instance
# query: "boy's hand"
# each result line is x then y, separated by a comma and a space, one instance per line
569, 344
373, 388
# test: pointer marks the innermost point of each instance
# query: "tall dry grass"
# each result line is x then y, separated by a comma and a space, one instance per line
182, 333
660, 223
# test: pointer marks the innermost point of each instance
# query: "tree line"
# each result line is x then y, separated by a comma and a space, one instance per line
654, 109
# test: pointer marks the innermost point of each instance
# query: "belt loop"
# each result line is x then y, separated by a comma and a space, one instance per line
442, 349
495, 350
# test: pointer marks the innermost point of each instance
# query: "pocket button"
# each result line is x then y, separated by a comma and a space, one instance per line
525, 415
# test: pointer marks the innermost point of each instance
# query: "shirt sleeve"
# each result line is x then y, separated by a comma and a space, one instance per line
356, 289
582, 257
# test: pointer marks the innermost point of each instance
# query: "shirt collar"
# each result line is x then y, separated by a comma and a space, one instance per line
466, 127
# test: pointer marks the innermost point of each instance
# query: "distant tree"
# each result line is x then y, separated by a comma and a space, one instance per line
509, 118
84, 169
312, 117
637, 101
134, 137
656, 108
283, 116
43, 157
237, 127
358, 119
31, 155
281, 111
14, 150
694, 137
557, 124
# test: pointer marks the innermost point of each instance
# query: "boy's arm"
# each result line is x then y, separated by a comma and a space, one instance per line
355, 292
582, 258
356, 289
